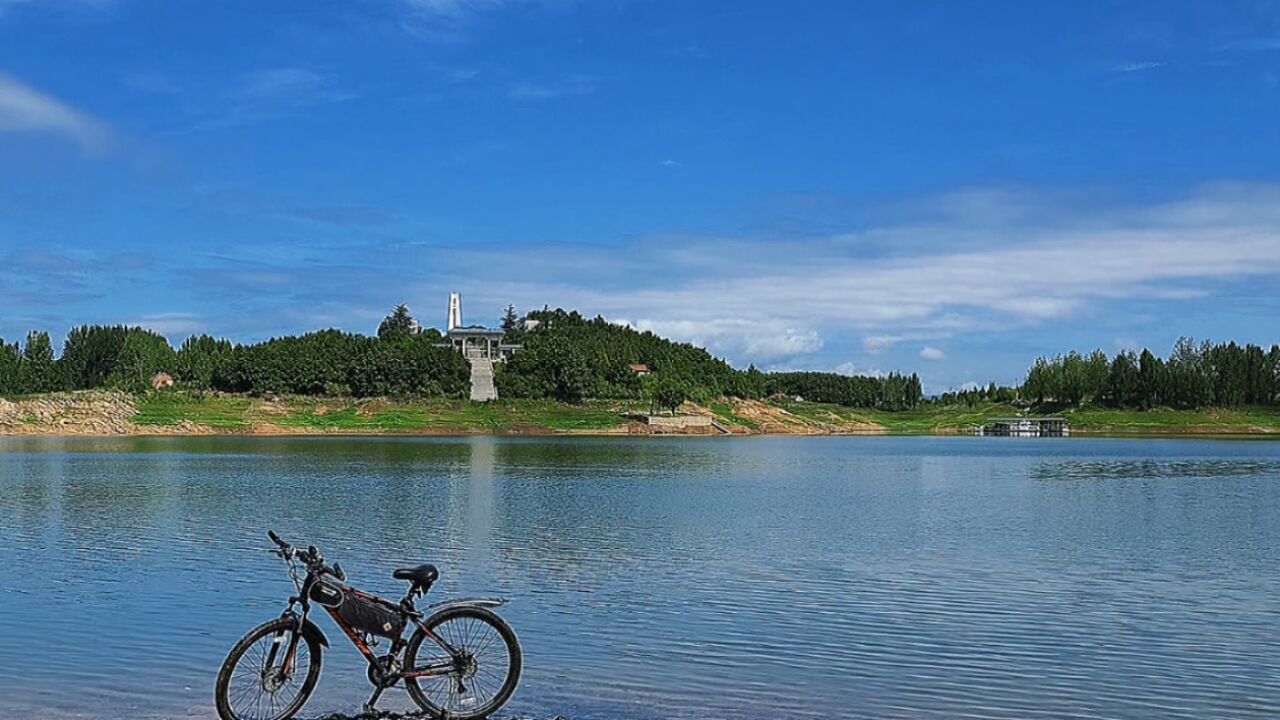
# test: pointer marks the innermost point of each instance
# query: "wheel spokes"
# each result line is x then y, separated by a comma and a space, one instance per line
486, 663
258, 692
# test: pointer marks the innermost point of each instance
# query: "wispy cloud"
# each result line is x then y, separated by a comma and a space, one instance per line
174, 325
757, 299
853, 369
446, 20
1134, 67
454, 8
1256, 44
758, 340
5, 5
932, 354
251, 201
876, 344
270, 93
26, 110
573, 86
960, 270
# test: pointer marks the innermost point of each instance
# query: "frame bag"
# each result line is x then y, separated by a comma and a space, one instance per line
374, 616
362, 612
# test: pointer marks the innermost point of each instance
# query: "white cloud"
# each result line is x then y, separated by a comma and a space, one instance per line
290, 84
876, 344
1132, 67
270, 93
454, 8
853, 370
573, 86
451, 20
86, 4
174, 326
25, 110
744, 338
1012, 269
932, 354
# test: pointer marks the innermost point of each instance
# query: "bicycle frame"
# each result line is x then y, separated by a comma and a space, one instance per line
410, 614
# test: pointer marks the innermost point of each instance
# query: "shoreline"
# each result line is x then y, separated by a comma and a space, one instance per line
176, 413
204, 432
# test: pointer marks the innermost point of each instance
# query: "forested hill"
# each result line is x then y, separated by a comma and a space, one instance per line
570, 357
567, 357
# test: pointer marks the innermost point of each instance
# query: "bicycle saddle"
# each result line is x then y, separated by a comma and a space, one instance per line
421, 575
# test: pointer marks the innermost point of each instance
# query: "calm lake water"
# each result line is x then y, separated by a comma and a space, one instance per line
669, 578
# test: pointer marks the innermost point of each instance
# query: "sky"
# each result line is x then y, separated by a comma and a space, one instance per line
945, 188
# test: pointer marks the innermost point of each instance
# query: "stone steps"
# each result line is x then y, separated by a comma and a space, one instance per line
482, 387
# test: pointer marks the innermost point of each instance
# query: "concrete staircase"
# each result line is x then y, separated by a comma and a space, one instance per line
482, 387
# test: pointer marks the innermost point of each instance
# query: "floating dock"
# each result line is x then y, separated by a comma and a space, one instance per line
1052, 426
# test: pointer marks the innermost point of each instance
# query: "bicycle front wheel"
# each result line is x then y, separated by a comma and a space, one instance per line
486, 671
259, 682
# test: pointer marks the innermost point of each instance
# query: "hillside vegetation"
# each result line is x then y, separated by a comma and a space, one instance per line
579, 373
567, 358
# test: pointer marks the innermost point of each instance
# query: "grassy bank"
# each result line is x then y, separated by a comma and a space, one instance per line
244, 414
176, 412
947, 419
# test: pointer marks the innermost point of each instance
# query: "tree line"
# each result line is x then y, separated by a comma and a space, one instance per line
1195, 375
328, 362
568, 358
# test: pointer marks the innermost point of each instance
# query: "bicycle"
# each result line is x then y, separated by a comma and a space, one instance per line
462, 662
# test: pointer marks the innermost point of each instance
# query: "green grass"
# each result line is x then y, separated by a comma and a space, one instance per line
215, 411
235, 413
924, 420
1164, 420
344, 414
724, 413
930, 419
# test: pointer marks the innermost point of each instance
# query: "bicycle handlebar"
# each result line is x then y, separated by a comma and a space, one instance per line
310, 557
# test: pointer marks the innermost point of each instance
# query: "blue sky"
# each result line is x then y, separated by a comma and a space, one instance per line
948, 188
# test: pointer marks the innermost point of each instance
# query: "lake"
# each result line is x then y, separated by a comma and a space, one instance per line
668, 578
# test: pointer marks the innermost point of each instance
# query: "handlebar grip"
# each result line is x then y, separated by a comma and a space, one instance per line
276, 539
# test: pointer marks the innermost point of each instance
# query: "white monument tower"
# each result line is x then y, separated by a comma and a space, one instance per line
455, 311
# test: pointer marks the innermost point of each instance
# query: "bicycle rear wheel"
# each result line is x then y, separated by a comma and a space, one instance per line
254, 683
485, 676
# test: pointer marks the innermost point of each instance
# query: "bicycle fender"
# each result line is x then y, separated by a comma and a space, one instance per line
310, 630
466, 602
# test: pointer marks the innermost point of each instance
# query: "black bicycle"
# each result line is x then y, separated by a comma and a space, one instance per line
462, 661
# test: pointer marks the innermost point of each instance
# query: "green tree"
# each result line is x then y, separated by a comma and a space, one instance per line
668, 394
38, 372
510, 321
10, 368
399, 323
91, 354
143, 354
1152, 380
1124, 386
202, 361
